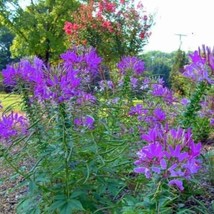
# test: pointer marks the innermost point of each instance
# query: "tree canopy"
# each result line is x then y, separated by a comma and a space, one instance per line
38, 28
6, 38
159, 64
115, 28
178, 82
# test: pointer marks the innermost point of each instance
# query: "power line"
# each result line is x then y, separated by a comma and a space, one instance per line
180, 38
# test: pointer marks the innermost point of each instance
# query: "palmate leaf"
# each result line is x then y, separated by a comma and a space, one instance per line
66, 205
71, 205
57, 205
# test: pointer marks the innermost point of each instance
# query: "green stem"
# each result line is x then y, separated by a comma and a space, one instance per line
66, 148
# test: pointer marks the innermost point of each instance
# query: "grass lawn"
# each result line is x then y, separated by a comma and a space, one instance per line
12, 101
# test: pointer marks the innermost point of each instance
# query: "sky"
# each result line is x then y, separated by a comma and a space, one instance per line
192, 18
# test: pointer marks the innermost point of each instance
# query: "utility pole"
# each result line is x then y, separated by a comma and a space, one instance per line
180, 38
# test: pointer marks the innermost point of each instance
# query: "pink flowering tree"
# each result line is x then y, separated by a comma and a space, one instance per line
114, 27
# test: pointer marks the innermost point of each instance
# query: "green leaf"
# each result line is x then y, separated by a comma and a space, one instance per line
75, 204
57, 205
76, 193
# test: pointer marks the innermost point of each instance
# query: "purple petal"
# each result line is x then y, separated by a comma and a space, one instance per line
177, 183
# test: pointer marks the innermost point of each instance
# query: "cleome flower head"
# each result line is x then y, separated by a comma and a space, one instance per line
172, 155
67, 81
12, 126
201, 67
133, 64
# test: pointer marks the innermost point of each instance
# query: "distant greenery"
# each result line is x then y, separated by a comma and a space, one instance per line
178, 82
6, 39
169, 67
159, 64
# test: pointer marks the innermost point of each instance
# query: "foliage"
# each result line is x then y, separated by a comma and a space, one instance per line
115, 28
159, 64
38, 28
178, 82
200, 70
6, 39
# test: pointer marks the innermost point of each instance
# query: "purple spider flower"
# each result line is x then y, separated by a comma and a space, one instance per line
133, 82
143, 170
197, 72
152, 136
87, 61
89, 122
93, 61
70, 58
212, 121
9, 75
185, 101
136, 110
171, 154
86, 121
145, 84
106, 84
159, 114
12, 126
196, 58
158, 90
132, 64
85, 98
192, 166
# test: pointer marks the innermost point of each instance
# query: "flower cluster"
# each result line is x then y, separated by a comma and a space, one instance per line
103, 25
106, 85
23, 71
70, 28
84, 59
106, 6
58, 84
86, 122
171, 154
12, 126
158, 90
153, 116
201, 67
132, 64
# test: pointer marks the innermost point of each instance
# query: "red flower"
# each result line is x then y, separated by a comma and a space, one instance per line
107, 6
70, 28
67, 27
75, 27
107, 25
142, 35
110, 7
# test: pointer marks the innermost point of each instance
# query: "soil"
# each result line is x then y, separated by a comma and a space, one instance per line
8, 195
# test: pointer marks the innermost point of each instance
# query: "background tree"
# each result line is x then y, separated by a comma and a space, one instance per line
115, 28
178, 82
38, 28
159, 64
6, 38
